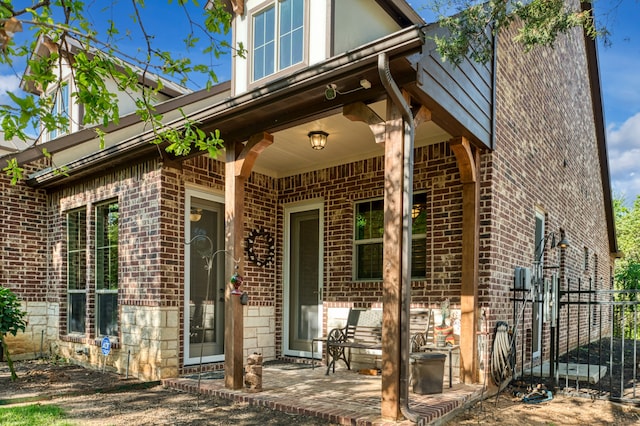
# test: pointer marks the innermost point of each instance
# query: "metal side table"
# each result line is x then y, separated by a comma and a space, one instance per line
314, 341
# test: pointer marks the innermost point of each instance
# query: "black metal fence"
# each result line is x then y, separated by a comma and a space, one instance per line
578, 337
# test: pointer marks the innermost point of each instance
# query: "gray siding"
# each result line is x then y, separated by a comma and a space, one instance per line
461, 97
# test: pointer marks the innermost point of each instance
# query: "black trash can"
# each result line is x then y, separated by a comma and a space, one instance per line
427, 372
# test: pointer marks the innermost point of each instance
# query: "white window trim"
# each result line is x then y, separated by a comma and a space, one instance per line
65, 84
277, 71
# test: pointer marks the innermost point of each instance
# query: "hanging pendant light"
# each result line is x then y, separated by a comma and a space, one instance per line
195, 215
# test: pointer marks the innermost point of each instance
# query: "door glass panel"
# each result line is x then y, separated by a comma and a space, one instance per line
206, 284
304, 277
536, 335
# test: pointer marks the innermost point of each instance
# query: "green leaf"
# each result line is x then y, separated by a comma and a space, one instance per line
13, 170
95, 69
628, 234
12, 317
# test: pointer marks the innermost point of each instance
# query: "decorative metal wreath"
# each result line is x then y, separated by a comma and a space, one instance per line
271, 251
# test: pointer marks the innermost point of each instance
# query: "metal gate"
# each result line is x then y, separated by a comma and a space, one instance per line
589, 338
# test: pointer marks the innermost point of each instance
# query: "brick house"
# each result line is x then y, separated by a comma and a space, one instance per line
506, 157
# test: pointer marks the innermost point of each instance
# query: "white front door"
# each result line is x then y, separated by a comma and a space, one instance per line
303, 273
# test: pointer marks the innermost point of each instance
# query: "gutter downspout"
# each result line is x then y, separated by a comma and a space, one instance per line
407, 201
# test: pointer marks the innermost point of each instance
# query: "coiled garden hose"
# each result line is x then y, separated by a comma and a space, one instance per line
502, 360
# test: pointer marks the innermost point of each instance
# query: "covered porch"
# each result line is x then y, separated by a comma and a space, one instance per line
380, 103
345, 397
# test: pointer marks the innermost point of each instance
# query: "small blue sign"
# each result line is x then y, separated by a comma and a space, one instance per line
106, 345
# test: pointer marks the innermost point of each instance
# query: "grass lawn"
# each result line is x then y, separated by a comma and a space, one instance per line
34, 414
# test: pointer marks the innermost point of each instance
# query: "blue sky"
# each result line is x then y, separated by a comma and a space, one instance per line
619, 73
620, 80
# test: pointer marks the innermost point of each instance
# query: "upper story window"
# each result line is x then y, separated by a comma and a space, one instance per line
369, 233
278, 37
61, 108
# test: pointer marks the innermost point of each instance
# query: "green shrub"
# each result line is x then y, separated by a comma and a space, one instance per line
11, 321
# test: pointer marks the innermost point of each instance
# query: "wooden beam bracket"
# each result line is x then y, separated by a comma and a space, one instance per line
358, 111
238, 6
421, 116
249, 154
466, 159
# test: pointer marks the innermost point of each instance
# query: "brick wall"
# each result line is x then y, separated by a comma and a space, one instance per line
341, 187
148, 269
151, 200
23, 260
23, 257
545, 158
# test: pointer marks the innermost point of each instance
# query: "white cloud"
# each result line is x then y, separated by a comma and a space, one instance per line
625, 136
8, 83
624, 157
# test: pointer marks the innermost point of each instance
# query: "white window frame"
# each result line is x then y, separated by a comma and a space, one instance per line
63, 91
276, 5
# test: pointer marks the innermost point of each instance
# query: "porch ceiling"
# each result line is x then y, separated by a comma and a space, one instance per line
348, 141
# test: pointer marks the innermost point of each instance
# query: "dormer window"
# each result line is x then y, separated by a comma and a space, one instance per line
61, 107
278, 37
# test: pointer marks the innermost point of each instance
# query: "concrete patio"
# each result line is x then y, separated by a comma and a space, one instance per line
346, 397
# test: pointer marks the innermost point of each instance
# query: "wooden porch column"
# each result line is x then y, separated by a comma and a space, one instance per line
391, 132
392, 263
469, 163
239, 162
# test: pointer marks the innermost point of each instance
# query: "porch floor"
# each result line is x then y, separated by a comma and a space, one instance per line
345, 398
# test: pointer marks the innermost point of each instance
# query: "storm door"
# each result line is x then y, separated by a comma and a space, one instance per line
538, 282
303, 278
204, 278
